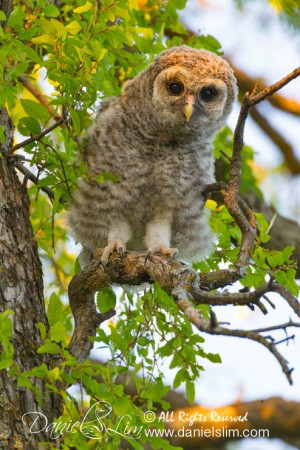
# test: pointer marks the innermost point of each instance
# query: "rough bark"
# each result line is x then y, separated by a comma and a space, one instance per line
21, 290
6, 6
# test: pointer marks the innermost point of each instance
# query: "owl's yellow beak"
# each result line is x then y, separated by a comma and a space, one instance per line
189, 106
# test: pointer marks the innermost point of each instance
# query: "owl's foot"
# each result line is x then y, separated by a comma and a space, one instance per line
171, 253
116, 244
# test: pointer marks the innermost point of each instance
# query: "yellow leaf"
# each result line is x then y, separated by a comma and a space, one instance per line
211, 204
60, 29
147, 33
133, 4
73, 27
277, 5
43, 39
83, 8
54, 373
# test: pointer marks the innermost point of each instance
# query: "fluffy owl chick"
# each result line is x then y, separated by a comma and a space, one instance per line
156, 137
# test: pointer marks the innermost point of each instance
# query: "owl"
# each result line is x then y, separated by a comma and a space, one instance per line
156, 139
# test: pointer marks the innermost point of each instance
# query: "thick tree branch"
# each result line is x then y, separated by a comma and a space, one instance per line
178, 280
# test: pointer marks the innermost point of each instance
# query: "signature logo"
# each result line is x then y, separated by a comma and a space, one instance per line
92, 425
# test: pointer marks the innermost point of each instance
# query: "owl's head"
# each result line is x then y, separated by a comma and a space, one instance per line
186, 89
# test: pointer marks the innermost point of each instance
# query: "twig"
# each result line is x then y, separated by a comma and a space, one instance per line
183, 300
37, 137
283, 326
244, 298
287, 295
42, 99
246, 83
20, 166
254, 98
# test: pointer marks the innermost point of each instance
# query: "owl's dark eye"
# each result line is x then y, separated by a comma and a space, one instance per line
207, 94
175, 88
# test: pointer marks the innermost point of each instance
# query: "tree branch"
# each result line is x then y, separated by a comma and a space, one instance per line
26, 172
175, 278
246, 83
37, 137
255, 98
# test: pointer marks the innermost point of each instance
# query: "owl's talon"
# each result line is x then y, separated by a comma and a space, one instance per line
149, 255
116, 244
104, 264
122, 252
173, 256
171, 252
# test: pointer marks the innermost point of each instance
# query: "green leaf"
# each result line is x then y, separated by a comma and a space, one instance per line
5, 362
2, 135
106, 299
42, 329
16, 18
6, 330
287, 253
176, 361
190, 391
28, 126
107, 176
75, 120
136, 445
40, 371
275, 259
77, 266
179, 378
121, 406
35, 110
54, 310
58, 332
24, 381
159, 390
2, 15
49, 347
32, 55
214, 357
51, 11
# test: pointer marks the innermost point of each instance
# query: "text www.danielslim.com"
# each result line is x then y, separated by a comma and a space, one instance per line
223, 432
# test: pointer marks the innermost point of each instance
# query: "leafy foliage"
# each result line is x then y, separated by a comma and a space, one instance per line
79, 52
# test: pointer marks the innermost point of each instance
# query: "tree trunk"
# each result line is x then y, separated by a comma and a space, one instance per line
21, 290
